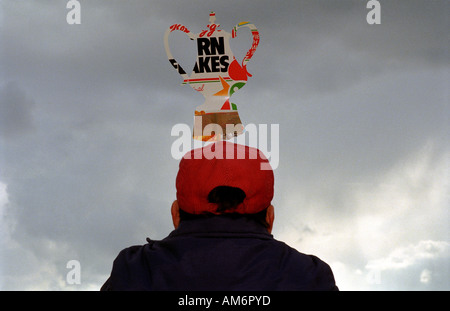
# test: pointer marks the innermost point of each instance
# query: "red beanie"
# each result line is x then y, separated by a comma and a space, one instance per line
224, 164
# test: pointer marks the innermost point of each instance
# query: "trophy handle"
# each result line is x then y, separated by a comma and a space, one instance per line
169, 54
255, 42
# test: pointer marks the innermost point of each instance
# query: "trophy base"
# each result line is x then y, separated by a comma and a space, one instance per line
216, 126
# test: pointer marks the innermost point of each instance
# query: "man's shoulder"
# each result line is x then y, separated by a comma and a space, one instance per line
309, 267
133, 249
304, 257
129, 254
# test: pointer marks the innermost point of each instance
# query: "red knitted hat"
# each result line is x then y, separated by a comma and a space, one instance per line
224, 164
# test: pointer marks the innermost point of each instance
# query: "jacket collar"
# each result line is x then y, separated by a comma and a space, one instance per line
221, 226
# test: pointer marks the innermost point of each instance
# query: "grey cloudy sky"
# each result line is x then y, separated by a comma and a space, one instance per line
86, 113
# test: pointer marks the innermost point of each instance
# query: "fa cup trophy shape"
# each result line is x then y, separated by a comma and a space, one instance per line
217, 75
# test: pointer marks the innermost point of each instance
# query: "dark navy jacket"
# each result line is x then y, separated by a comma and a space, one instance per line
218, 253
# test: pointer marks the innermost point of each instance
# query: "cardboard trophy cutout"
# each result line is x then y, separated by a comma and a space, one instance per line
217, 75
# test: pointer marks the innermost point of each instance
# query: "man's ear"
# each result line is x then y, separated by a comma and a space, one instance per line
270, 217
175, 211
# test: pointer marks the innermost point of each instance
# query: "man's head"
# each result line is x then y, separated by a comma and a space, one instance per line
223, 178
